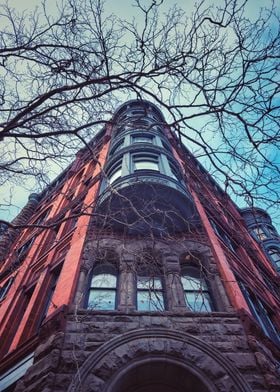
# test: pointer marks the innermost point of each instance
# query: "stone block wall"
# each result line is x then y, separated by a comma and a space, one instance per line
63, 355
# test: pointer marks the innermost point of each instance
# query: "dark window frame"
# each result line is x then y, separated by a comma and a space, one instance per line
192, 274
155, 295
100, 270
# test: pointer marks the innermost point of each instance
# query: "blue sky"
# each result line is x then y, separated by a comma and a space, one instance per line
14, 198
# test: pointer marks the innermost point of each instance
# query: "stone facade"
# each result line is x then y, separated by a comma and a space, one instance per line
97, 348
147, 212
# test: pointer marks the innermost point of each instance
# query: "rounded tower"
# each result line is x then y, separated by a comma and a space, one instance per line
143, 187
260, 227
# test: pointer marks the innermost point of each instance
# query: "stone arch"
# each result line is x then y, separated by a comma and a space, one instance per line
110, 361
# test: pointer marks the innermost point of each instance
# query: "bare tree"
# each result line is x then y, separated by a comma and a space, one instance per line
213, 73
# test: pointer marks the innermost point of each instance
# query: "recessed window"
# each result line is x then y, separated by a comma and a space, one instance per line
5, 288
145, 162
261, 314
260, 233
271, 231
174, 171
223, 236
149, 294
115, 175
117, 146
24, 249
142, 138
102, 292
274, 254
196, 291
166, 146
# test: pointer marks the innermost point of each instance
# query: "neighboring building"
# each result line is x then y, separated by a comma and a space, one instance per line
135, 272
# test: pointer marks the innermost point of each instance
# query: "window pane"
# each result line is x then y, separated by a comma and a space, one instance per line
192, 283
104, 280
146, 165
102, 299
274, 254
260, 233
142, 139
198, 301
114, 176
149, 283
150, 301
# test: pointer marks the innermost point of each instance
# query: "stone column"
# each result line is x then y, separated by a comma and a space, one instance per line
126, 289
82, 286
174, 288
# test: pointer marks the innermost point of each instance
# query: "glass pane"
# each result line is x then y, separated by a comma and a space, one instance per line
102, 299
104, 280
149, 283
150, 301
198, 302
146, 165
260, 233
192, 283
113, 177
275, 255
142, 139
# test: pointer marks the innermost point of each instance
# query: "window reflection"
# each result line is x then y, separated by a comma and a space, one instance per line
102, 295
196, 292
149, 294
274, 254
149, 162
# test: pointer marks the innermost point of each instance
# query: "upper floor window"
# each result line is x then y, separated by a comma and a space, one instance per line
149, 294
274, 254
260, 233
5, 288
115, 172
49, 295
140, 138
223, 236
145, 162
24, 249
103, 290
42, 217
196, 291
261, 314
115, 175
117, 146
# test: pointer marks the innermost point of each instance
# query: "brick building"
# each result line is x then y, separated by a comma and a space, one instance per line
135, 272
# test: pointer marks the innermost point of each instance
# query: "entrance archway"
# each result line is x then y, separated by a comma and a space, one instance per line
177, 361
157, 375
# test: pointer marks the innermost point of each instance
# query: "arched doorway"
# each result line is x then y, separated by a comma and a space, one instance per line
157, 360
157, 375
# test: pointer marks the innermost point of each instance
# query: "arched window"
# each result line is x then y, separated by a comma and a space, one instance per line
274, 254
149, 294
103, 289
196, 291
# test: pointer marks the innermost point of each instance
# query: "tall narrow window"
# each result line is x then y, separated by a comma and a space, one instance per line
274, 254
115, 172
149, 294
50, 293
103, 290
5, 288
261, 314
24, 249
196, 291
